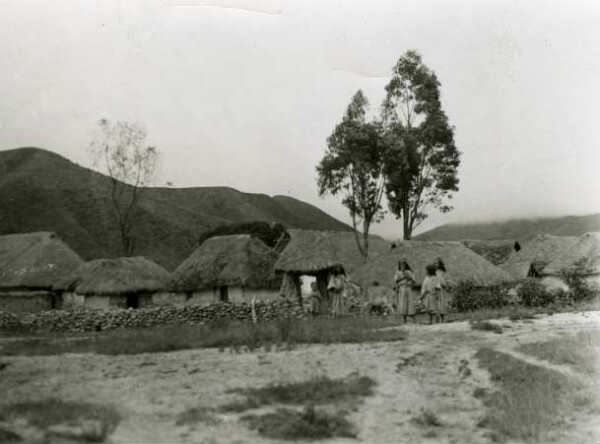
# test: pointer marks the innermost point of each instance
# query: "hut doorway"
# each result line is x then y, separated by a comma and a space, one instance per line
224, 294
132, 301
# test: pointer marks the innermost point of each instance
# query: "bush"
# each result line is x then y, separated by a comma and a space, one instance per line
469, 297
574, 277
310, 424
533, 293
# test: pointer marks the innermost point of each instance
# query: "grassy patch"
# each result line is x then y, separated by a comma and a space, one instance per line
532, 403
197, 415
580, 351
181, 337
486, 326
308, 424
318, 390
64, 421
426, 418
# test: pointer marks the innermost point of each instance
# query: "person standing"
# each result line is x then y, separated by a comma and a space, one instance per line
315, 299
336, 286
429, 293
441, 288
404, 300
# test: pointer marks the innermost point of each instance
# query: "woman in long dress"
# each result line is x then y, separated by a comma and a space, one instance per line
404, 300
441, 288
430, 293
335, 286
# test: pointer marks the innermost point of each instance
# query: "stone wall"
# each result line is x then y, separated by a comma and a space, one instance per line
95, 320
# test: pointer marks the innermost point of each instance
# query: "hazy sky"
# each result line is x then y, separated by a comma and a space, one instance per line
244, 93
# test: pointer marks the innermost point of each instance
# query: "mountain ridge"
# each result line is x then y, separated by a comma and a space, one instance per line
43, 191
520, 229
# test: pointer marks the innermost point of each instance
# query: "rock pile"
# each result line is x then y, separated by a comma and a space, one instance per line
88, 320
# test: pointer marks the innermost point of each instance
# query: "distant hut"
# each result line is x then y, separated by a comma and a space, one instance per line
317, 253
536, 254
126, 282
462, 264
30, 265
235, 268
585, 253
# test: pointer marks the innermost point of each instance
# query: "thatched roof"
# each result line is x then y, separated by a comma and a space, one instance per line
588, 247
462, 264
35, 260
536, 254
495, 251
236, 260
116, 276
312, 251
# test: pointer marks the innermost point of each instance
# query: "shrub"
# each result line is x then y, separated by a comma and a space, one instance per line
309, 424
469, 297
486, 326
533, 293
574, 277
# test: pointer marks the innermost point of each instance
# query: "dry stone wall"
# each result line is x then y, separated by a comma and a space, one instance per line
96, 320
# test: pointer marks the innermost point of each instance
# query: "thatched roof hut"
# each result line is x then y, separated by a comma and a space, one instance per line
586, 248
536, 254
35, 260
118, 276
236, 260
310, 252
462, 264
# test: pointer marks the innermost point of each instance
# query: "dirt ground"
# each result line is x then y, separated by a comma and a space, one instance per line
433, 369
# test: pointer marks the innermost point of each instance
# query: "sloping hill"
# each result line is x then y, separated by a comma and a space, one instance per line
516, 229
42, 191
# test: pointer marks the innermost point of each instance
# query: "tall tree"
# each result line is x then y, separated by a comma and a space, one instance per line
121, 149
422, 160
353, 166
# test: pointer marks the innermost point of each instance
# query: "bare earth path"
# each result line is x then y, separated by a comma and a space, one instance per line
433, 370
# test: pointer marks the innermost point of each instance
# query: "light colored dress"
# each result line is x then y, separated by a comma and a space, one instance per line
404, 298
442, 296
428, 293
335, 287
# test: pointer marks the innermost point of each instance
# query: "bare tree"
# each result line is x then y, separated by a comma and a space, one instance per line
121, 149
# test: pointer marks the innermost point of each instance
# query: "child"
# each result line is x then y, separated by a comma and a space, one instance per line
429, 293
315, 298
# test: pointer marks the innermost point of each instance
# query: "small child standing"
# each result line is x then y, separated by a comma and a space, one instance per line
429, 292
315, 298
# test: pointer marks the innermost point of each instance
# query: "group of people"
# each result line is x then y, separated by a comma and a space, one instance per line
404, 301
433, 291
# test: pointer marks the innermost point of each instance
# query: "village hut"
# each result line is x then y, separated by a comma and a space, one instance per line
125, 282
462, 264
536, 254
583, 256
235, 268
30, 264
318, 253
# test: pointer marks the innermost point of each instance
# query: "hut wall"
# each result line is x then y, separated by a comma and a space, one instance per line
103, 302
236, 294
261, 294
27, 301
202, 298
169, 298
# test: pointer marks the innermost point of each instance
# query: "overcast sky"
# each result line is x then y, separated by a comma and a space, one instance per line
244, 93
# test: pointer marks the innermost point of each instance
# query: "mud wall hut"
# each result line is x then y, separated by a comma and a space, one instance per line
462, 264
30, 265
235, 268
102, 284
536, 254
317, 253
583, 255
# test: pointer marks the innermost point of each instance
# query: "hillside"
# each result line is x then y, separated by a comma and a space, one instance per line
42, 191
515, 229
